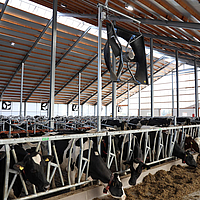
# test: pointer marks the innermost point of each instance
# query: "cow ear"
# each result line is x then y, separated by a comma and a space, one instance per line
47, 158
19, 166
2, 154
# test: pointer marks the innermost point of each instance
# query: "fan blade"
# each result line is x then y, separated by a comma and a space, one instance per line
138, 47
113, 76
112, 40
139, 50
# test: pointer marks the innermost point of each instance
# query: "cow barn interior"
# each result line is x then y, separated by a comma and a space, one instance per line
107, 82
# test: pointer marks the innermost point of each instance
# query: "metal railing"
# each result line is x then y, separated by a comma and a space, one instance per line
156, 143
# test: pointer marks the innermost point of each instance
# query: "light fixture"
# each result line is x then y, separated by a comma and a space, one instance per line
12, 44
129, 7
63, 5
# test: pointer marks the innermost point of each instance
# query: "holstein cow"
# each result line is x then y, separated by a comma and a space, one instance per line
177, 150
134, 160
135, 156
97, 167
31, 164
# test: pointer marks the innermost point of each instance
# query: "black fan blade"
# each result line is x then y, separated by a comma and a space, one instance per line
112, 40
113, 77
139, 50
138, 47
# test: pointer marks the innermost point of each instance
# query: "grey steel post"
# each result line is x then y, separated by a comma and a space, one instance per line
99, 70
21, 93
67, 109
177, 84
7, 166
53, 63
9, 133
151, 67
25, 109
139, 101
82, 110
128, 99
79, 94
114, 110
196, 90
172, 93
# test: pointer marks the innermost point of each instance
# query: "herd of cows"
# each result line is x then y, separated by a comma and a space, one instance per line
31, 163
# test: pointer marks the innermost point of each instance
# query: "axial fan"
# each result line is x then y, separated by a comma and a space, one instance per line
137, 44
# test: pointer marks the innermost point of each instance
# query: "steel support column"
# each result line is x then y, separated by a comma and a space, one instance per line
21, 93
151, 69
53, 64
177, 85
24, 109
196, 90
172, 93
79, 94
67, 109
139, 101
128, 99
99, 70
114, 92
82, 110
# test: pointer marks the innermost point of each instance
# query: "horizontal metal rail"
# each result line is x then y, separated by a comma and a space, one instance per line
152, 154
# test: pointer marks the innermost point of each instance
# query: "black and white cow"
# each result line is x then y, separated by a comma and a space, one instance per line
97, 167
186, 156
135, 159
31, 163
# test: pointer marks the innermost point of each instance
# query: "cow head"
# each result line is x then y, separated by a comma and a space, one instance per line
115, 187
189, 159
33, 166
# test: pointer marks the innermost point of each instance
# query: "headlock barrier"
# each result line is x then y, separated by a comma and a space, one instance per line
156, 143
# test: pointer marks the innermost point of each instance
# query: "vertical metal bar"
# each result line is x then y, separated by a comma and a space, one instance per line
67, 109
21, 93
53, 64
114, 110
49, 163
151, 67
25, 109
57, 162
80, 160
128, 99
7, 165
196, 90
9, 133
177, 84
79, 94
139, 101
82, 110
109, 151
172, 93
99, 71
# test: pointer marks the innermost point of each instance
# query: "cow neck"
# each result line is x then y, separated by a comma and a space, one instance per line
105, 190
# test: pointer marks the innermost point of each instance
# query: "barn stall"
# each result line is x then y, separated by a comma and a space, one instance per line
36, 62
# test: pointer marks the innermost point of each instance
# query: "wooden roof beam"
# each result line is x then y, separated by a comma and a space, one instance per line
27, 55
189, 8
59, 61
